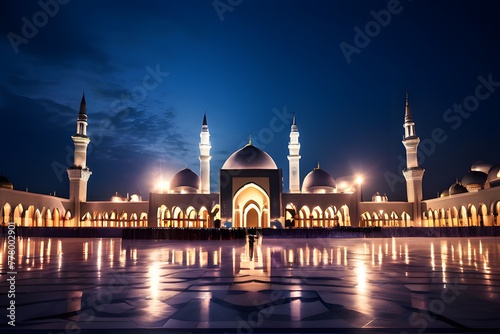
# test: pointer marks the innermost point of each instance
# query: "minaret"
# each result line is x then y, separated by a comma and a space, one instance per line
294, 158
79, 173
205, 157
413, 173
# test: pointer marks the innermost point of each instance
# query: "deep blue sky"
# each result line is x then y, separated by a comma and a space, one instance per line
263, 56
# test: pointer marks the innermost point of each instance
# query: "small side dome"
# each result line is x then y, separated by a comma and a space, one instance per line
457, 188
445, 193
135, 198
481, 166
379, 198
118, 198
185, 181
318, 181
474, 180
494, 176
5, 183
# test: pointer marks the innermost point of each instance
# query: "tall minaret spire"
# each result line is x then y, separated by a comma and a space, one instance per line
294, 158
79, 173
205, 156
409, 125
413, 173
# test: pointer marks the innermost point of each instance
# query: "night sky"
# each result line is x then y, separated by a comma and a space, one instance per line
151, 69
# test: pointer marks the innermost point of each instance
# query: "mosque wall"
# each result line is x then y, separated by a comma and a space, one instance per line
478, 208
183, 210
386, 214
114, 214
320, 210
29, 209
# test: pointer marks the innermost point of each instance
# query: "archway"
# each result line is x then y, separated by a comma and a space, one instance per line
28, 216
330, 217
251, 197
473, 215
454, 216
495, 209
304, 214
177, 217
463, 216
204, 217
6, 214
143, 219
482, 212
192, 217
18, 214
113, 218
366, 219
346, 219
251, 218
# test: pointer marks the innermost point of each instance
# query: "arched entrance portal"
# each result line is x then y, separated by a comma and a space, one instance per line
252, 217
251, 207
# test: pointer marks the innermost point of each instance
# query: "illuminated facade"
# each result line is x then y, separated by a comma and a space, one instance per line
251, 195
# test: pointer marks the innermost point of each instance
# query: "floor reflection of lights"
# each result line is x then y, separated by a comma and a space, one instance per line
365, 276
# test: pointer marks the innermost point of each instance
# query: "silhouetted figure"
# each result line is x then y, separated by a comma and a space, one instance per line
251, 240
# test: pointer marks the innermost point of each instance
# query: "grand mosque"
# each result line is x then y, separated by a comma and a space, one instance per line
251, 194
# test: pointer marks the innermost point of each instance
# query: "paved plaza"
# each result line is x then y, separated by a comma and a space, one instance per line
405, 285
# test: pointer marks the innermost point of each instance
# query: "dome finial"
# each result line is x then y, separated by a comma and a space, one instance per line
408, 115
205, 119
249, 140
318, 166
293, 119
83, 105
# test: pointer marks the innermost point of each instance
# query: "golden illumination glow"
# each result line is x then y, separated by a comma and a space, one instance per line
49, 250
162, 186
433, 263
154, 280
203, 255
394, 249
42, 244
99, 255
85, 251
444, 258
359, 179
407, 254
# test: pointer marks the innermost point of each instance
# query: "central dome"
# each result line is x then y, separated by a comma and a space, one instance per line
249, 157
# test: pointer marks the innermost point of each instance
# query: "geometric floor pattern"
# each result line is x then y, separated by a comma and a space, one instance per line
405, 285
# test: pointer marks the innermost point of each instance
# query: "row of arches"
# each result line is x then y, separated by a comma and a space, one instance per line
31, 217
190, 217
316, 216
470, 215
114, 219
47, 217
384, 219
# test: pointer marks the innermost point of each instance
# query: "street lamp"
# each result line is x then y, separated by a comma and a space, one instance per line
359, 181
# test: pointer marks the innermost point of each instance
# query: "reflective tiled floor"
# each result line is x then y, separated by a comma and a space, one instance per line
407, 285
